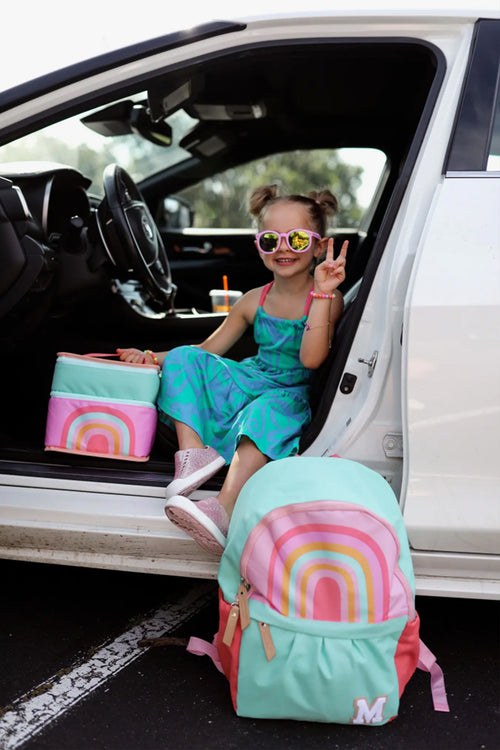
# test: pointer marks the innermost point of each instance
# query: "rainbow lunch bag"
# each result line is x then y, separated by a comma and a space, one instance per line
317, 599
101, 407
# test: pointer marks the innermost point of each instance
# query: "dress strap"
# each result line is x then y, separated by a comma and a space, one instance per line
308, 302
264, 292
266, 289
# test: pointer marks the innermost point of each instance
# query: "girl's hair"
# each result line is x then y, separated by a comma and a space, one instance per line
320, 204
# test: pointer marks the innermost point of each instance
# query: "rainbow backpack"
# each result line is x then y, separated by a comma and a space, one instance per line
317, 599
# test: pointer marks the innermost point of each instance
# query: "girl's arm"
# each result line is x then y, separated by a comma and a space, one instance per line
325, 310
240, 316
138, 357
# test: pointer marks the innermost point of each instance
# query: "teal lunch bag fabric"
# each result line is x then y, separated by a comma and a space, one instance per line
101, 407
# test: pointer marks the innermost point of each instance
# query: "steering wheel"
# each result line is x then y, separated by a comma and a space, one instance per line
131, 237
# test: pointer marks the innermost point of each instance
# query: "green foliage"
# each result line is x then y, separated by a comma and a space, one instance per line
43, 147
221, 201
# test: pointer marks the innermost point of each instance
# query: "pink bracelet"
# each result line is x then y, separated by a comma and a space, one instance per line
152, 355
321, 296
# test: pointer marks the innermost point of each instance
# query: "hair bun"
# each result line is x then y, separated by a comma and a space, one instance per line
326, 200
260, 197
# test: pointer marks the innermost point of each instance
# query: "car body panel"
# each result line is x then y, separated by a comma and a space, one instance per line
452, 340
425, 358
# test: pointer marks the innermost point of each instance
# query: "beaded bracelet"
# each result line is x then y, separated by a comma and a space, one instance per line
152, 355
321, 296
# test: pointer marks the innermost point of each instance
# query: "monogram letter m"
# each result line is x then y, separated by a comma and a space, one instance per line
369, 714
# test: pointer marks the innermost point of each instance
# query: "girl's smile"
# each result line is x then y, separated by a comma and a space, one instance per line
284, 260
284, 217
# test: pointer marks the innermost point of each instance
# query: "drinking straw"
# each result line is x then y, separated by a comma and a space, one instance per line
226, 289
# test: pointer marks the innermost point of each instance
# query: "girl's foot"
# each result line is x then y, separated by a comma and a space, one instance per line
205, 520
193, 467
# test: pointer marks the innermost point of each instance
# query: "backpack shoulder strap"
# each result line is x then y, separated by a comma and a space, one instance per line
199, 647
427, 662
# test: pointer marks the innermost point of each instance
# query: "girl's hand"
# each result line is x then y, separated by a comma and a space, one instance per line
329, 274
132, 355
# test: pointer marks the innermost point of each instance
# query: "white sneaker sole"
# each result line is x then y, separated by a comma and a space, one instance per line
186, 485
184, 514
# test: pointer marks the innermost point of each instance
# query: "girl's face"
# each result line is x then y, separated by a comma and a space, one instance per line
282, 217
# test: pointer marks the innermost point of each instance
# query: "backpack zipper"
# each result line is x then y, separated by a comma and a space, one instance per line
267, 641
239, 611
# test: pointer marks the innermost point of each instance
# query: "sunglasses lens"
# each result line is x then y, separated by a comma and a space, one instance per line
299, 241
268, 242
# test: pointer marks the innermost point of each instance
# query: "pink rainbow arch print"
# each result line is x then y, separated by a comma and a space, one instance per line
99, 429
88, 424
312, 552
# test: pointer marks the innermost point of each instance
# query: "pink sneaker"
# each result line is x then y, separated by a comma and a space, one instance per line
205, 520
193, 467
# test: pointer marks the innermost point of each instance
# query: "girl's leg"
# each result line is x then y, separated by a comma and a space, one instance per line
207, 520
186, 436
194, 462
246, 461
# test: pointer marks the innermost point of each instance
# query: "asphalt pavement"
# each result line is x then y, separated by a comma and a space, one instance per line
96, 659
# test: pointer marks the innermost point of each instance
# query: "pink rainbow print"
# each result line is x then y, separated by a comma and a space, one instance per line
302, 552
115, 427
93, 432
343, 590
342, 549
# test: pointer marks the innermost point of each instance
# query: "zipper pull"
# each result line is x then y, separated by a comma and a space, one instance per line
243, 602
231, 623
267, 641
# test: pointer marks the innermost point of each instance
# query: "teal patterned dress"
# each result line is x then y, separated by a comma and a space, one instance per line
265, 397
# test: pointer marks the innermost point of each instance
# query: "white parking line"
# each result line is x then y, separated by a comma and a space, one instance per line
34, 711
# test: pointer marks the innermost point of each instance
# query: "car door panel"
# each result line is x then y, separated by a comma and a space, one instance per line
451, 351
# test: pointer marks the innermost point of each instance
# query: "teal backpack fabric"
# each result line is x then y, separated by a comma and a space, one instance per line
317, 597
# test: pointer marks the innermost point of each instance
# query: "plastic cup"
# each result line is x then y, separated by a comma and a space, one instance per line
223, 300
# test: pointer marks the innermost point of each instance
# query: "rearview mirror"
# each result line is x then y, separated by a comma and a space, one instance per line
124, 118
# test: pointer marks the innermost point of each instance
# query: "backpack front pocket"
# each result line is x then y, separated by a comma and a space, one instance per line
347, 675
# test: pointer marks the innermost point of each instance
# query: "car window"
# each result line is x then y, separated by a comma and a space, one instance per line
353, 175
494, 155
475, 145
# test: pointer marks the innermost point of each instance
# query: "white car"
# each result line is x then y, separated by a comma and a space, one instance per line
401, 115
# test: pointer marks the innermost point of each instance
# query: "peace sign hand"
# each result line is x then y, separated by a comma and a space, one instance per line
329, 274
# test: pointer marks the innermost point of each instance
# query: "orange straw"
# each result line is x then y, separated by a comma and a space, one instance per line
226, 289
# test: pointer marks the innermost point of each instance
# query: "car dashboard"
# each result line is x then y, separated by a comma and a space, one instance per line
48, 255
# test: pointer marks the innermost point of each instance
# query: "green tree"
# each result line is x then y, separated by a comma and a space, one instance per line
41, 146
221, 200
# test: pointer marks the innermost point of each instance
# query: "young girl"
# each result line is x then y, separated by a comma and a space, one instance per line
245, 413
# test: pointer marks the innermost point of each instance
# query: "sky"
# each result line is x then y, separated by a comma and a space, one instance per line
38, 37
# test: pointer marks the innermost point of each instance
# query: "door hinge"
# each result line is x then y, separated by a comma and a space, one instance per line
370, 362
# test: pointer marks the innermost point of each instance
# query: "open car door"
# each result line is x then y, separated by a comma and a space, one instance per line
452, 403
